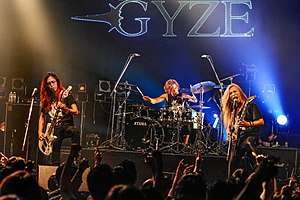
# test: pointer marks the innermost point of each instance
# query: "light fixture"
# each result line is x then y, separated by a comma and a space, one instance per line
82, 92
82, 87
282, 120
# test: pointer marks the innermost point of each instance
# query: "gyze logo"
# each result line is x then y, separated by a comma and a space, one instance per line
114, 17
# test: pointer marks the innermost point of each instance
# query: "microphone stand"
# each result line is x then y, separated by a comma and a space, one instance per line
113, 95
221, 93
231, 148
27, 127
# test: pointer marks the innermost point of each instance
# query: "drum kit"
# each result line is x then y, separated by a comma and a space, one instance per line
141, 127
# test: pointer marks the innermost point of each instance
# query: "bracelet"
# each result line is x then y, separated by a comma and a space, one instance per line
251, 123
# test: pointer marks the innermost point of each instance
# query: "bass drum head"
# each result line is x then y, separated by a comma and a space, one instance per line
142, 132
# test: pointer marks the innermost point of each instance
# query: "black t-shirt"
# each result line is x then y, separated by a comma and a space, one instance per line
64, 118
174, 100
252, 114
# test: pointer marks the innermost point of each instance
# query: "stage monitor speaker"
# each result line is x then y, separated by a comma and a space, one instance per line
15, 119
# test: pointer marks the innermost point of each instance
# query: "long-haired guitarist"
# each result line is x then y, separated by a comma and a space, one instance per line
57, 109
242, 120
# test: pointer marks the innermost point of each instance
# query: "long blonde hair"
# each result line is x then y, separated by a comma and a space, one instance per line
227, 105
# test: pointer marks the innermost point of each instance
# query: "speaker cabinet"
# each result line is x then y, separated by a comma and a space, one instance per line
15, 119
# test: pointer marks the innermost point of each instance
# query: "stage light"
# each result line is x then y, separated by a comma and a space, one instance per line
82, 87
216, 121
82, 92
282, 120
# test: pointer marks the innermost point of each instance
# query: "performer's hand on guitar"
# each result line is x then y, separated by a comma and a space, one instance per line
41, 136
232, 136
62, 106
245, 123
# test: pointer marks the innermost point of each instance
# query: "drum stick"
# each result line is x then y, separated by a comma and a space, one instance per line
139, 90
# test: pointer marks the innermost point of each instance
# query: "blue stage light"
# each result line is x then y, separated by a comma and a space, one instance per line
282, 120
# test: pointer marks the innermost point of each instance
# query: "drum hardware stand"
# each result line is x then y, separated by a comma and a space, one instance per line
122, 121
113, 105
198, 143
174, 147
220, 134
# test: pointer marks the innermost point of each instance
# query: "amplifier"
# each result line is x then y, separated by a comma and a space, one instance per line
15, 119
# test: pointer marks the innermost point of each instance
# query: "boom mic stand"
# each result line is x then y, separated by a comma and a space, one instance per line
27, 125
113, 95
208, 57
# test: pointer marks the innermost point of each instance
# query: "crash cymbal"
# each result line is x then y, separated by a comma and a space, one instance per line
198, 107
204, 86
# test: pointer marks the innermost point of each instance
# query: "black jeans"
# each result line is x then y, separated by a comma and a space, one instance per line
62, 132
241, 156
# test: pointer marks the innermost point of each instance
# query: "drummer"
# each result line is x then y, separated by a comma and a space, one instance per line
172, 97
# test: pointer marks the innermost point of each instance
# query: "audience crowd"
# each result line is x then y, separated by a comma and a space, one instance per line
18, 180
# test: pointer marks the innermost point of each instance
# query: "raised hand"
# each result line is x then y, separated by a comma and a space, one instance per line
98, 156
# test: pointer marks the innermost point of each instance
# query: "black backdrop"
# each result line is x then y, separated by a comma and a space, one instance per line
49, 40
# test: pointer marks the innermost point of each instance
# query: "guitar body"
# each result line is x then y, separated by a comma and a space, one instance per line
46, 145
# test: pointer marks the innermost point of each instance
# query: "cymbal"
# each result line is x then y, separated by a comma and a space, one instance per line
141, 106
127, 84
204, 86
198, 107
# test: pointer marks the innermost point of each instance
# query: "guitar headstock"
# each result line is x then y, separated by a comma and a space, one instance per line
66, 92
250, 99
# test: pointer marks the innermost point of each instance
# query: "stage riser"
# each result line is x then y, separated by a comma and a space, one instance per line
214, 167
287, 156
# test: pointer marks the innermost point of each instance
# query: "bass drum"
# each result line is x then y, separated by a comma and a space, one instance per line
143, 132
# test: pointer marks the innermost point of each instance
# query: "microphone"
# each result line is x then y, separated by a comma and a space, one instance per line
135, 54
234, 102
33, 92
205, 56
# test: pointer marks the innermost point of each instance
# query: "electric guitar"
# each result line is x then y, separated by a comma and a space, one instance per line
46, 145
235, 134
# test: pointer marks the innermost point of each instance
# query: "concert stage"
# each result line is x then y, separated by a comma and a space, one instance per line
214, 167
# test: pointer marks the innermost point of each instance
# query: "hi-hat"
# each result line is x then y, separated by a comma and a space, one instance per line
204, 86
